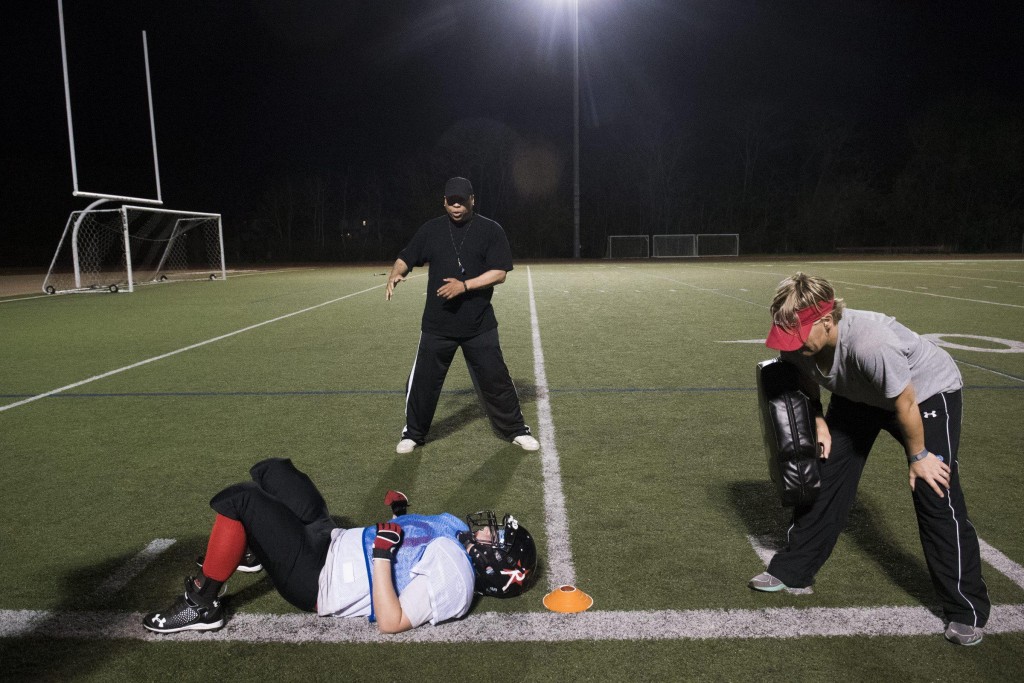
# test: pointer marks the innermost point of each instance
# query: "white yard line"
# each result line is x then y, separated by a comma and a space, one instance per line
766, 547
917, 291
844, 282
995, 372
1004, 565
26, 298
710, 290
231, 276
929, 273
182, 350
709, 624
133, 567
560, 569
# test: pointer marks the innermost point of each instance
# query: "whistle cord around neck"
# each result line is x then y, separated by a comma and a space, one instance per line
458, 249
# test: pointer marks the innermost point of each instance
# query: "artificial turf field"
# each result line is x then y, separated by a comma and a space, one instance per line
636, 376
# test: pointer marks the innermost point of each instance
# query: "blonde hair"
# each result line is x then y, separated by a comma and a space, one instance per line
801, 291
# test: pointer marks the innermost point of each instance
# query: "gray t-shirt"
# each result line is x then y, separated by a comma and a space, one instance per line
876, 358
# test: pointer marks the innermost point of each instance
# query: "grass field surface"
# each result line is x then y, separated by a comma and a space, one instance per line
120, 415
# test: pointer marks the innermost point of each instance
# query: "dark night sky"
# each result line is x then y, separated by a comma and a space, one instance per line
247, 90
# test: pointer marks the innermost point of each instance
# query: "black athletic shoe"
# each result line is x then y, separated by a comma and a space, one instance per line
187, 613
247, 565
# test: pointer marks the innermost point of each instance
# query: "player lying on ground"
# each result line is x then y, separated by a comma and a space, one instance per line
882, 376
402, 573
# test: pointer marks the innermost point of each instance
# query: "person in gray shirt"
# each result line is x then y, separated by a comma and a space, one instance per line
881, 375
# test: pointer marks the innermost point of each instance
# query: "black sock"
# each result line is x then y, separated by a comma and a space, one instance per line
207, 589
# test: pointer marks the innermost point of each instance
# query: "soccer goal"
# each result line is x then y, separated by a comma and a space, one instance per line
628, 246
718, 245
109, 250
668, 246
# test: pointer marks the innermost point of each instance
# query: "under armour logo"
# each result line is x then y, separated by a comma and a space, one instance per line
934, 413
159, 621
514, 576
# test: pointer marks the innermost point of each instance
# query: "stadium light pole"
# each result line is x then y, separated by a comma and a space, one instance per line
576, 130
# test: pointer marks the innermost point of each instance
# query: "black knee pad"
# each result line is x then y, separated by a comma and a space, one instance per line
263, 467
226, 502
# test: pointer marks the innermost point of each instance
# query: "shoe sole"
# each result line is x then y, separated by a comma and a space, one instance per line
531, 449
190, 627
956, 641
768, 589
243, 568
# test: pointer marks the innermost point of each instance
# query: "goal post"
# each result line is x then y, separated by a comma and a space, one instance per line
723, 244
673, 246
117, 249
628, 246
669, 246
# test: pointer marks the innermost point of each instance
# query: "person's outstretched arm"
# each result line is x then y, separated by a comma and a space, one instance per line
397, 274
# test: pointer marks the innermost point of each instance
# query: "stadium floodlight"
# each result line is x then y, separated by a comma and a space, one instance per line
575, 127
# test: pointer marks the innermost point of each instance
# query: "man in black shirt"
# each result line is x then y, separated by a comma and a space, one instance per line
468, 255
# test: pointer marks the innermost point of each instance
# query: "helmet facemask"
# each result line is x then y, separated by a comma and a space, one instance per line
505, 566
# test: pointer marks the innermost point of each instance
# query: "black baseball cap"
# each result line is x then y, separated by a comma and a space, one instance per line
458, 188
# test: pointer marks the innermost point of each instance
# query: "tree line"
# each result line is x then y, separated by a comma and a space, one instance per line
950, 181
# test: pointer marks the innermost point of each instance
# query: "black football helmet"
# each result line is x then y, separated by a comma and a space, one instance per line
507, 565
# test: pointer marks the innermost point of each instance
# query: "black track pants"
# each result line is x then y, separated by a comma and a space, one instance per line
949, 540
286, 524
490, 377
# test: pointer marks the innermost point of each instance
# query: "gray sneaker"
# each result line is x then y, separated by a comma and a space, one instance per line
406, 446
767, 583
962, 634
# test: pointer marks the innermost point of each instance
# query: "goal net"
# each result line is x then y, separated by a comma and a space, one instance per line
666, 246
117, 249
628, 246
718, 245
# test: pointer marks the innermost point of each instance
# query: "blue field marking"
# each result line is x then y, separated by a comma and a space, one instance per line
447, 392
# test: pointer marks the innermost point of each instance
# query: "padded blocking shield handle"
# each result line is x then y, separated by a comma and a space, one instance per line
790, 436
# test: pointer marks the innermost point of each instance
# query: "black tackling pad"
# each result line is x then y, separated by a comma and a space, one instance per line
790, 437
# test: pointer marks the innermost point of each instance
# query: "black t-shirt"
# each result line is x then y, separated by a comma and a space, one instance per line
481, 245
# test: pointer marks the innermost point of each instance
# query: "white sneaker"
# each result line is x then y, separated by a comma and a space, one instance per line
405, 446
527, 442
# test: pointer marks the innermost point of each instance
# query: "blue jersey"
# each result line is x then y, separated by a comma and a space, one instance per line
417, 532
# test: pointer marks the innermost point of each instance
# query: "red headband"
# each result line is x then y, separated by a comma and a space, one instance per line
792, 338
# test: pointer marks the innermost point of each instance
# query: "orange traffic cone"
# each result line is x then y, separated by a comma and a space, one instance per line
568, 599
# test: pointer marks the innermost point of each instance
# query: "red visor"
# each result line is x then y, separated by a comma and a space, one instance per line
792, 338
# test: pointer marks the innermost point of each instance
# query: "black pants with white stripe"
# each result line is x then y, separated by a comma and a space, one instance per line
947, 535
490, 377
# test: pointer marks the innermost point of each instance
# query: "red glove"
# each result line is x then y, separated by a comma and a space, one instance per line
397, 501
385, 545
